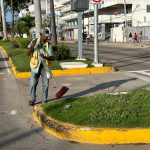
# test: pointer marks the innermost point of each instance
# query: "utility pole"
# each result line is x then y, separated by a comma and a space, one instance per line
3, 20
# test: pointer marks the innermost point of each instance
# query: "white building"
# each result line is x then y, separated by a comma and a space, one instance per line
45, 8
111, 14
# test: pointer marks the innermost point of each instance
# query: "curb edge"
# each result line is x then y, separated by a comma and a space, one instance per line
80, 134
78, 71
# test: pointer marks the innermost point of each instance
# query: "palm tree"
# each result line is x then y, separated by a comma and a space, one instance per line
53, 23
12, 17
38, 17
3, 20
15, 7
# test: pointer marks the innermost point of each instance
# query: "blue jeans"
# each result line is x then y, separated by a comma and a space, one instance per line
34, 79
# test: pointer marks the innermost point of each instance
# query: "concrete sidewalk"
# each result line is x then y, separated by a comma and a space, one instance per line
114, 44
83, 85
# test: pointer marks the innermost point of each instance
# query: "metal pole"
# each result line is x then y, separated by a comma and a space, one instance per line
3, 20
125, 15
88, 25
96, 33
80, 55
46, 8
83, 24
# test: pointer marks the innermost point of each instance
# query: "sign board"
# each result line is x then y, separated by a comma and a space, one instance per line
79, 5
95, 1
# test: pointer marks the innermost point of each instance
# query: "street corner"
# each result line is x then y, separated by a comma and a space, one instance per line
89, 135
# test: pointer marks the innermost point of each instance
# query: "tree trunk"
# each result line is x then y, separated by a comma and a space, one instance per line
3, 20
12, 19
53, 23
38, 17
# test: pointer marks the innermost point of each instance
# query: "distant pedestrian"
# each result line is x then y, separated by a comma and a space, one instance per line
108, 38
135, 38
130, 37
140, 39
40, 61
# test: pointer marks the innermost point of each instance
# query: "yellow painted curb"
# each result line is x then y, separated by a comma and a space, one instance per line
70, 72
75, 71
90, 135
10, 62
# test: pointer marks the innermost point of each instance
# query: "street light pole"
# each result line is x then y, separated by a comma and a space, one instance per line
96, 45
96, 33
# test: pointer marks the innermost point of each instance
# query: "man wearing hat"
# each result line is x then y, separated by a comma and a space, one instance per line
39, 49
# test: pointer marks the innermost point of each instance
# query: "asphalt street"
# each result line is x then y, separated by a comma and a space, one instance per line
124, 57
17, 127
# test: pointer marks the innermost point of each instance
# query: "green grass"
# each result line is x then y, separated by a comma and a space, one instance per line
104, 110
18, 56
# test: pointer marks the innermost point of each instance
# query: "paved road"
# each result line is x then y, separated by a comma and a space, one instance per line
124, 57
18, 131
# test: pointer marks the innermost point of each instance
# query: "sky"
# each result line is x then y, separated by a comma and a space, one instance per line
8, 17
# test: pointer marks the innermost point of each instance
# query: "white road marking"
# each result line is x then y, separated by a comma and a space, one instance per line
140, 61
1, 72
140, 74
140, 71
144, 73
8, 70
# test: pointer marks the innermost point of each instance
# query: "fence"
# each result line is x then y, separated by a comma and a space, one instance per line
143, 31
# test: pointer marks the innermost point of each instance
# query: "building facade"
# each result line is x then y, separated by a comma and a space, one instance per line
112, 13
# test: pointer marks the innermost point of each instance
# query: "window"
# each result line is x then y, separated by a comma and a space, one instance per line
148, 8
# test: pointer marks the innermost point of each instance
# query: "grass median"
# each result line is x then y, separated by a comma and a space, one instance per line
21, 60
104, 110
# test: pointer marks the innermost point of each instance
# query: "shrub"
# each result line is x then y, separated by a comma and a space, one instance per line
23, 43
15, 45
6, 40
61, 52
